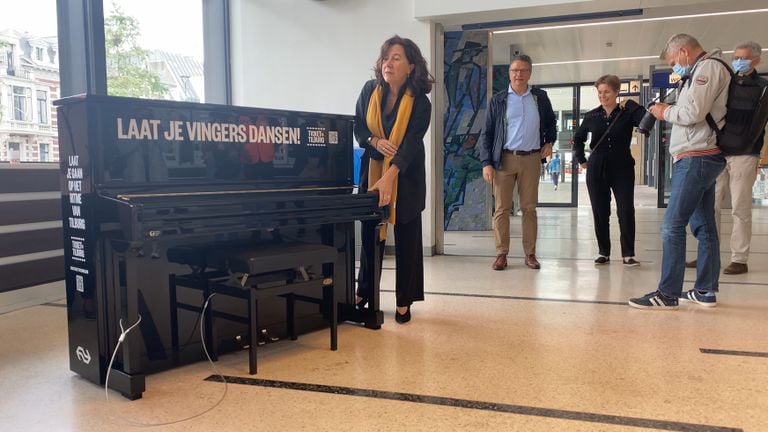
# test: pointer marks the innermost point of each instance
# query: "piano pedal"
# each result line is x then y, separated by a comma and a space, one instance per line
265, 337
304, 274
243, 343
155, 252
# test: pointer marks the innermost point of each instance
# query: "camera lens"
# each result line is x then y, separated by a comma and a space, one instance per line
646, 124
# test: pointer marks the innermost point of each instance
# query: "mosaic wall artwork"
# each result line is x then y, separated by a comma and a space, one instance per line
466, 197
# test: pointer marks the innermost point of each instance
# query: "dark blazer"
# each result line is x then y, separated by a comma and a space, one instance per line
495, 133
410, 157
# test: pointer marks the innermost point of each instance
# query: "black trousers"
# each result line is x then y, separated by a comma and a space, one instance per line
606, 174
409, 261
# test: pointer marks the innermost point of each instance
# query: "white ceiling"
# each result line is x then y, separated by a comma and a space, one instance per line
629, 39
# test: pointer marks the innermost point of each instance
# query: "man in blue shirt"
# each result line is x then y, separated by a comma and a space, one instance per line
520, 128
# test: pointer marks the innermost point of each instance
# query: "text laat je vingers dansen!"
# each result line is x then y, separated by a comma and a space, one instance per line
174, 130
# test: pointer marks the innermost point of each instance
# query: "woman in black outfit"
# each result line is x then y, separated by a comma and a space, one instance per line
610, 166
391, 118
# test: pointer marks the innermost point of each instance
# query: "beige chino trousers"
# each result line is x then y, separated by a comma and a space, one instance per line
525, 171
738, 177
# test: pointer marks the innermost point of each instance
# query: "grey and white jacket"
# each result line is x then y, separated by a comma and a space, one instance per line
706, 93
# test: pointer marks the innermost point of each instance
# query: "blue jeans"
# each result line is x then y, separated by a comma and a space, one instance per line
692, 200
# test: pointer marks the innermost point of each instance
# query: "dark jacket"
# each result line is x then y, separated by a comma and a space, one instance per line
762, 82
410, 157
495, 133
616, 143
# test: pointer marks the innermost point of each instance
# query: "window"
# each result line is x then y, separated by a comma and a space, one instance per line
9, 57
39, 54
14, 152
21, 102
42, 107
45, 152
154, 52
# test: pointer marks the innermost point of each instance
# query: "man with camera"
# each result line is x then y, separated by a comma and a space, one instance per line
697, 162
740, 171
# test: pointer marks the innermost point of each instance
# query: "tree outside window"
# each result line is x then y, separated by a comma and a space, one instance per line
127, 71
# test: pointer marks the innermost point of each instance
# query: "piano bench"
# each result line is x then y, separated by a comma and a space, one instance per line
252, 272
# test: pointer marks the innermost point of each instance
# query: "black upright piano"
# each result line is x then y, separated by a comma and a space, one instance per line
141, 178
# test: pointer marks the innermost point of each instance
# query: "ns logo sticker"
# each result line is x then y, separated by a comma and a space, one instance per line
83, 355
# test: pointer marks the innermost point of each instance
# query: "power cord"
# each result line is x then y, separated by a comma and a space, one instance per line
121, 338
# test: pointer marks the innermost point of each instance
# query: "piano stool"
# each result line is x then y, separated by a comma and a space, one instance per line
264, 270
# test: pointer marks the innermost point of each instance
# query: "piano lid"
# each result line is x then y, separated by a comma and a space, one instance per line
157, 145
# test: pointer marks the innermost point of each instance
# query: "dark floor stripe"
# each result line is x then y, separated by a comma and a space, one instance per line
521, 257
63, 305
733, 353
725, 252
479, 405
504, 297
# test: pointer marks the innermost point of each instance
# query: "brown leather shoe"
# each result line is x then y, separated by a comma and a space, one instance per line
690, 264
500, 263
735, 268
531, 262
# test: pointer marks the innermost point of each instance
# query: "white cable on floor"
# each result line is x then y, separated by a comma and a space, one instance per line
124, 333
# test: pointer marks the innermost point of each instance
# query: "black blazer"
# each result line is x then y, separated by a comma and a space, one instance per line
410, 157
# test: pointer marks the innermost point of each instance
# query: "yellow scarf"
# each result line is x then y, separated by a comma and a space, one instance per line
377, 168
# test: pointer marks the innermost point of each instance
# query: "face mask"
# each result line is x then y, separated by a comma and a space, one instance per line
681, 70
741, 66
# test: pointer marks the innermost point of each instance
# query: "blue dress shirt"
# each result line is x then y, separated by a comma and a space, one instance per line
522, 121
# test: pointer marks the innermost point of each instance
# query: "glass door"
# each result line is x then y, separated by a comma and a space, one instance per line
557, 187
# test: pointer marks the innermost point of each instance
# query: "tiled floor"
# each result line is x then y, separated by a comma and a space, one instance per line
518, 350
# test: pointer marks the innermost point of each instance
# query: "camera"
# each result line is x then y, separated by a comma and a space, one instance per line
646, 123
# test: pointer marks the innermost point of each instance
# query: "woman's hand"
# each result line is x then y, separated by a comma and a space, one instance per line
385, 185
384, 147
584, 165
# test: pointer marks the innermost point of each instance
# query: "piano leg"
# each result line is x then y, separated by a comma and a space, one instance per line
376, 317
174, 312
129, 381
253, 307
371, 316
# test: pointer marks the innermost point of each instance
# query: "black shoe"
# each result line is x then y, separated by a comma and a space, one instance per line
654, 300
631, 262
404, 318
602, 260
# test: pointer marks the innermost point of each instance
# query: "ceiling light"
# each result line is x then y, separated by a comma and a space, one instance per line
611, 59
592, 24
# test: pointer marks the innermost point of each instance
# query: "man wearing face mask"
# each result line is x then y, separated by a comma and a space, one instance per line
697, 162
740, 172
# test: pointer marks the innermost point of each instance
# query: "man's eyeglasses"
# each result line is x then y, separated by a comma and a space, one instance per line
520, 71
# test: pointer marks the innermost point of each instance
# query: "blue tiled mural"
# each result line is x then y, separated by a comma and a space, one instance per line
466, 197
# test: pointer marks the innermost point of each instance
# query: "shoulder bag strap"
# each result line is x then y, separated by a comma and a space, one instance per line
621, 110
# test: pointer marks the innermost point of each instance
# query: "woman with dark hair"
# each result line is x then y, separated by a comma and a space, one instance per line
391, 118
610, 166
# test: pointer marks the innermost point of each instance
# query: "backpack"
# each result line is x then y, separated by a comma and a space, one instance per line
746, 114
